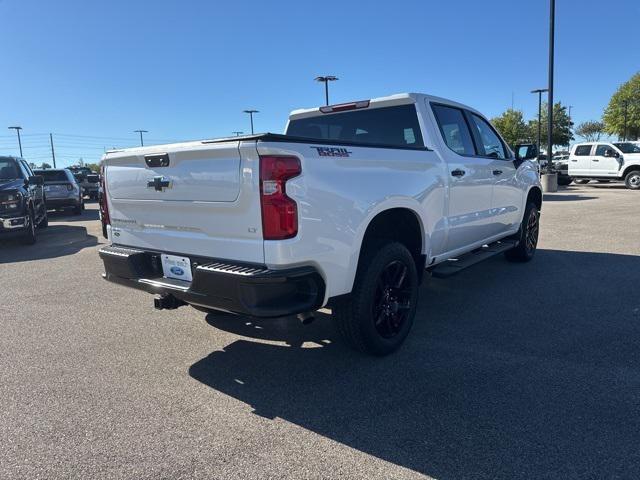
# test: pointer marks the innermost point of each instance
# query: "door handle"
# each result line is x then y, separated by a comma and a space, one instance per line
574, 160
595, 160
497, 172
458, 173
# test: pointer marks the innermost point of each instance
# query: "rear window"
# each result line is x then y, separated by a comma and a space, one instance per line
53, 175
387, 126
583, 150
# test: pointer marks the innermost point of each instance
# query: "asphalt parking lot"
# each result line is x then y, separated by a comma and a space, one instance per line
511, 371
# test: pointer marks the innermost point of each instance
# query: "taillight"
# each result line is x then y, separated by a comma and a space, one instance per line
279, 212
69, 187
104, 206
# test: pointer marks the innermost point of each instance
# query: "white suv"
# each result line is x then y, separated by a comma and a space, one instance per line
606, 161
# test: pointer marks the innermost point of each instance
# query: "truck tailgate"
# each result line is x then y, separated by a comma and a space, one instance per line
191, 198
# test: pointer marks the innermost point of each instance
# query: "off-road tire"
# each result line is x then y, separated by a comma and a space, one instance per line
527, 236
364, 325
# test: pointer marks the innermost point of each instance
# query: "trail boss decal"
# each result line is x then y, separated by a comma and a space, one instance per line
332, 151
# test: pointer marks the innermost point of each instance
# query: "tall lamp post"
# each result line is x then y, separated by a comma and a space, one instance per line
549, 179
251, 112
141, 132
17, 129
326, 79
539, 91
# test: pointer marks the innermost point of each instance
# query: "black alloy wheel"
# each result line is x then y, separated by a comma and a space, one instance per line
392, 299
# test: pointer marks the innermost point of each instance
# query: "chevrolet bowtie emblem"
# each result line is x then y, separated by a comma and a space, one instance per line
159, 183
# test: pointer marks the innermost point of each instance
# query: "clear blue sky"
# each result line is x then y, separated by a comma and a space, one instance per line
186, 69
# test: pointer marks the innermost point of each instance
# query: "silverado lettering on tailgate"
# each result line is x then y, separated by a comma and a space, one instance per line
332, 151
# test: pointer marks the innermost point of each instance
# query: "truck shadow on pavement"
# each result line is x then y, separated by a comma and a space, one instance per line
54, 241
511, 371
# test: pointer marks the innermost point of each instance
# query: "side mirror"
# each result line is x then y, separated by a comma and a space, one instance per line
610, 152
36, 180
526, 152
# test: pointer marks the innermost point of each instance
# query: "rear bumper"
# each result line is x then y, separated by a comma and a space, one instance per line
62, 202
247, 289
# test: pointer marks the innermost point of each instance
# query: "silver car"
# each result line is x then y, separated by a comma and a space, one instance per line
62, 190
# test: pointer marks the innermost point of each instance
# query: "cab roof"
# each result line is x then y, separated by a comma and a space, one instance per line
389, 101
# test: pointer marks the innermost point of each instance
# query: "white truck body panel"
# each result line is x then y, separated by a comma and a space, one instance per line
213, 206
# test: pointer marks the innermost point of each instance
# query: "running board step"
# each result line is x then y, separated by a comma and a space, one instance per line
455, 265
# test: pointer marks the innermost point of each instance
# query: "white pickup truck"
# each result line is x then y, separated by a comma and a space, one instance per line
349, 208
606, 161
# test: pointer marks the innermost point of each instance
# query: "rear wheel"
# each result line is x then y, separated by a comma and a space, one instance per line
378, 315
632, 180
562, 180
527, 236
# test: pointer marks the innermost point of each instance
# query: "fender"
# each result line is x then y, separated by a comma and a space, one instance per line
407, 203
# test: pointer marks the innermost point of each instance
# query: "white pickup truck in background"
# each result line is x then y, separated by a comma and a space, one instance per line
606, 161
349, 208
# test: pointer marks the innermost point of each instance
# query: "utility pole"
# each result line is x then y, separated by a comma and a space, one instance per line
238, 133
251, 112
539, 91
141, 132
53, 152
17, 129
326, 79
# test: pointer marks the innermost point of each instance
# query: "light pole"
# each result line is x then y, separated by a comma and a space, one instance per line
626, 106
251, 112
552, 22
326, 79
570, 123
17, 129
539, 91
141, 132
238, 133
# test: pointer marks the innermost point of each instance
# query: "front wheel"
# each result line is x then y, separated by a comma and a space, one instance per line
632, 180
527, 236
29, 236
377, 317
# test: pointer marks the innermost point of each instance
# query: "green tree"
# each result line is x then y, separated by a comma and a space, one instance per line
511, 126
625, 103
45, 165
591, 130
562, 126
93, 166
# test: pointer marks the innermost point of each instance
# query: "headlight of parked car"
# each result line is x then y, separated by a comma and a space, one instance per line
10, 202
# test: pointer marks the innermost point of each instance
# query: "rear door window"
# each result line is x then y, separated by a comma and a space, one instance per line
454, 129
490, 143
583, 150
387, 126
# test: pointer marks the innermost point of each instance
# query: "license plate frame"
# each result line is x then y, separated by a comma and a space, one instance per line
176, 267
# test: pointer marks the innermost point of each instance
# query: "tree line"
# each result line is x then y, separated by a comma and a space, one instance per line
620, 118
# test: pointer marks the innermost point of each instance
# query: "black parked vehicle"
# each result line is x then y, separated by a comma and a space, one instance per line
22, 200
62, 190
88, 180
